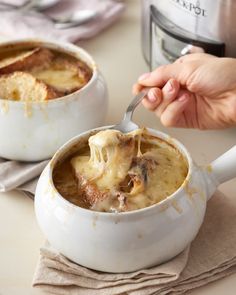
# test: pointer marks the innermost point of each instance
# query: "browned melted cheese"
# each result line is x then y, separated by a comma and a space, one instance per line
121, 172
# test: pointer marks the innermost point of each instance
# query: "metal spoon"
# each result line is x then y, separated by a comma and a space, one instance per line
75, 19
45, 4
30, 4
127, 125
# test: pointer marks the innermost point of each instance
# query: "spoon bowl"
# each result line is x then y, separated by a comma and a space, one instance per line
75, 19
45, 4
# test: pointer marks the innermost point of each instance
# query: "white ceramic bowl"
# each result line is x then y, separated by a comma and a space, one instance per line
128, 241
34, 131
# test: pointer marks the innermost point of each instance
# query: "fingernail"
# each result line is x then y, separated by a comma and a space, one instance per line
152, 96
183, 98
144, 76
169, 86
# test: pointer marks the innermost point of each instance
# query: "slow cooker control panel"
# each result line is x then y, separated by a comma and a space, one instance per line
169, 41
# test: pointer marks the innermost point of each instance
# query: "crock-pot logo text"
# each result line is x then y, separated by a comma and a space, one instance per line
191, 7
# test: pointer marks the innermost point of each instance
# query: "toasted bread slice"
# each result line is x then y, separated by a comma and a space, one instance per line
90, 191
25, 60
22, 86
98, 200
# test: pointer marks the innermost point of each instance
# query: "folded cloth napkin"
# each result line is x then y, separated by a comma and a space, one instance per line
16, 24
19, 175
212, 255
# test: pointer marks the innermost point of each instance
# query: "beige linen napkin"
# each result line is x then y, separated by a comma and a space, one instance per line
212, 255
19, 175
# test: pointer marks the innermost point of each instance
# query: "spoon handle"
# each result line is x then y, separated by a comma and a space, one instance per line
9, 6
134, 103
28, 5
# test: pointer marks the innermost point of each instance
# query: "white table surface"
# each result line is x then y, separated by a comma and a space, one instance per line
118, 54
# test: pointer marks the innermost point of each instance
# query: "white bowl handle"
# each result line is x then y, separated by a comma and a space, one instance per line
224, 167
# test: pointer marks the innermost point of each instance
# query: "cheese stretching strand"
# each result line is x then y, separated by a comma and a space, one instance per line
127, 171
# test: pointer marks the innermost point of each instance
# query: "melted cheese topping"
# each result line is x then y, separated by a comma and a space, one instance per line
108, 163
124, 171
64, 73
63, 80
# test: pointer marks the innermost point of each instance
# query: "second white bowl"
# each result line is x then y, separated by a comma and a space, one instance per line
33, 131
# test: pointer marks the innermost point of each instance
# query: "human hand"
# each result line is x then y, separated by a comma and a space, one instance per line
196, 91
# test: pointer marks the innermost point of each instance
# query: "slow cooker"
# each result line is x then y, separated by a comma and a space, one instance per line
171, 28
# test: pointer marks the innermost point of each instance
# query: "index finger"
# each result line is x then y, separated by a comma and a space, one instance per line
160, 76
